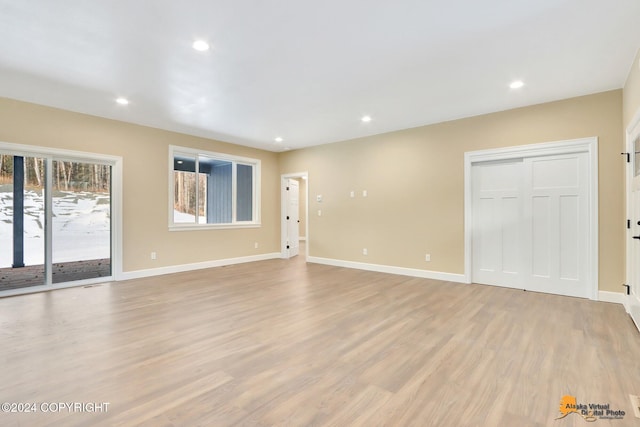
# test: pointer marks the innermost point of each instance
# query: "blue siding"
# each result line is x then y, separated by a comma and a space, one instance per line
244, 189
219, 194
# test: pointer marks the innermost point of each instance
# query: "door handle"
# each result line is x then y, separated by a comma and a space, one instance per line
636, 237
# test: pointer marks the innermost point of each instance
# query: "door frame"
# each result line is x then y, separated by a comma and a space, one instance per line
588, 145
284, 252
116, 210
631, 301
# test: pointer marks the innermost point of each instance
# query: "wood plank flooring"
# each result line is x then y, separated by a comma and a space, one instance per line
283, 343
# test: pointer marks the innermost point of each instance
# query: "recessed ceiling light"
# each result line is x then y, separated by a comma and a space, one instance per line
122, 101
279, 139
200, 45
366, 119
516, 84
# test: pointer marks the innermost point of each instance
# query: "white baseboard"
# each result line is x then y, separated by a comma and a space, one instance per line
632, 305
137, 274
403, 271
614, 297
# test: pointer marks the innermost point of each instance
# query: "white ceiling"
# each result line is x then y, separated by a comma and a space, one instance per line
309, 70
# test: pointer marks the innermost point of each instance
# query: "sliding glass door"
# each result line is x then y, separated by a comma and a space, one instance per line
55, 220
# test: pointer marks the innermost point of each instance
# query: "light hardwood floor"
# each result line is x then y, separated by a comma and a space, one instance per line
284, 343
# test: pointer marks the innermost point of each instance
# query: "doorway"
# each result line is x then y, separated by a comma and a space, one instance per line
531, 217
294, 214
633, 214
57, 225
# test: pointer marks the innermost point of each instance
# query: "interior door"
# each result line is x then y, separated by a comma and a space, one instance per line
293, 216
556, 207
497, 223
633, 258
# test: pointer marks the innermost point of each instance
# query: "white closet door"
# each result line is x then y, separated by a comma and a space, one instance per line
556, 228
497, 212
293, 217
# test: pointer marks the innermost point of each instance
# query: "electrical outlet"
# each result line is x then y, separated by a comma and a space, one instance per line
365, 252
255, 245
319, 212
427, 257
154, 255
352, 194
364, 193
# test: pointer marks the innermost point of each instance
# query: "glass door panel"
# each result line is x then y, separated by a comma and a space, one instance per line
81, 221
22, 238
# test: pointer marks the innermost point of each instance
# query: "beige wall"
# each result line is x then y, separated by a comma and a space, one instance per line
145, 178
414, 180
631, 93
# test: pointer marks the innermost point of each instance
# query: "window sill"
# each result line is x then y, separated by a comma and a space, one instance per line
191, 227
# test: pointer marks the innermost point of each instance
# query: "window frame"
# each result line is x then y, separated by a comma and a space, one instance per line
234, 160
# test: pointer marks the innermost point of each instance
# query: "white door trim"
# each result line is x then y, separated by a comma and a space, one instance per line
283, 209
588, 145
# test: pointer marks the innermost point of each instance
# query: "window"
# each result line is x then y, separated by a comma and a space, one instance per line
212, 190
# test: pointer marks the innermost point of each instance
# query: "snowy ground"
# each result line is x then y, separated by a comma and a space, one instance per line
185, 218
81, 226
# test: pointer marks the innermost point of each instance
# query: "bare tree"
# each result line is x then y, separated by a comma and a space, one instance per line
67, 176
96, 179
36, 171
6, 168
